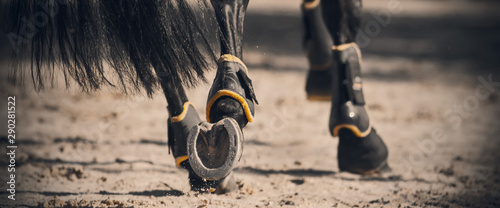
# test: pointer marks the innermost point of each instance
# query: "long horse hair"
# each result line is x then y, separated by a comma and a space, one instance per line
140, 40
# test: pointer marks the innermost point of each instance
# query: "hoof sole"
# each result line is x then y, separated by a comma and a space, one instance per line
214, 149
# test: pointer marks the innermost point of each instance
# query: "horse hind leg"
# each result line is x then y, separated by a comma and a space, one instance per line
360, 150
232, 94
182, 118
216, 146
317, 43
210, 150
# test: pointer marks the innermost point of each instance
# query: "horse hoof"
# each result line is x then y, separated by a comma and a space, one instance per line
222, 186
362, 155
214, 149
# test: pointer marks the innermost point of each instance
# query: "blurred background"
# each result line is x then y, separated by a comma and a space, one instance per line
432, 89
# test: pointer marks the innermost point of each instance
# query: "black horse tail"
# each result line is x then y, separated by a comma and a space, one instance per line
140, 40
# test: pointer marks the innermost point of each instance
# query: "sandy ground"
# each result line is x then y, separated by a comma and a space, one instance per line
424, 94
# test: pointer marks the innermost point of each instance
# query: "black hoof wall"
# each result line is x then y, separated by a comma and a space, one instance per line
319, 85
364, 156
214, 149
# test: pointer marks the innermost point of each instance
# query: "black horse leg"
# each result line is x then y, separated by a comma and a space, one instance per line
360, 148
342, 18
182, 118
230, 15
232, 93
215, 147
318, 45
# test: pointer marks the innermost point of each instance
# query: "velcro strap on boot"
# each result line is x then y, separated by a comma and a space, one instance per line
350, 54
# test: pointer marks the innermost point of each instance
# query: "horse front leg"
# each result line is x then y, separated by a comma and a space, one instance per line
360, 149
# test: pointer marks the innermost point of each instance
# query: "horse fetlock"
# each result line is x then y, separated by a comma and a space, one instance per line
232, 94
228, 107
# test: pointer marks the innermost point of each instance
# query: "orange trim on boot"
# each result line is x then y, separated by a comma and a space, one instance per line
311, 5
234, 95
231, 58
348, 45
353, 128
180, 159
319, 98
183, 114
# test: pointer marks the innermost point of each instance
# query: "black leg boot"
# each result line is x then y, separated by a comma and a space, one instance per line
360, 150
317, 43
179, 128
215, 147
